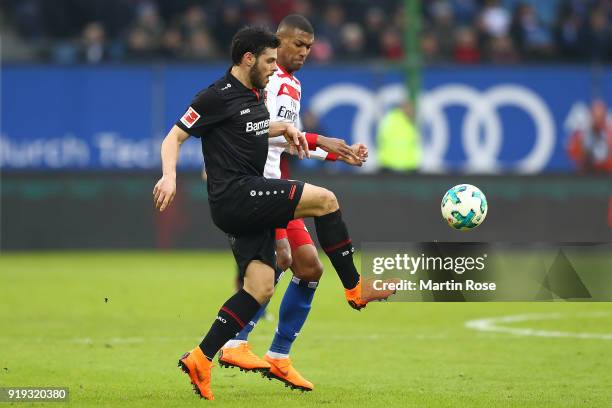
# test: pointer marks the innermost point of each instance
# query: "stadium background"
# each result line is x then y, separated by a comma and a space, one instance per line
90, 87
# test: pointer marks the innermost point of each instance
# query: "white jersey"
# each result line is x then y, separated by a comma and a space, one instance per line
283, 95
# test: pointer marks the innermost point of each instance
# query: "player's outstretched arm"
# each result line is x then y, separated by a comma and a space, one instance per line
332, 145
165, 189
296, 139
359, 149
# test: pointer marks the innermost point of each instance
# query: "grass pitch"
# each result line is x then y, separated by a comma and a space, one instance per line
111, 326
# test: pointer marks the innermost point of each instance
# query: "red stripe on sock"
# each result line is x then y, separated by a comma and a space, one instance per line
236, 318
337, 246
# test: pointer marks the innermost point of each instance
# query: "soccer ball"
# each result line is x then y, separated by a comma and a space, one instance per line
464, 207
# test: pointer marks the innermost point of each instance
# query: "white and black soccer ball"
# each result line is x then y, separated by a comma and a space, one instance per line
464, 207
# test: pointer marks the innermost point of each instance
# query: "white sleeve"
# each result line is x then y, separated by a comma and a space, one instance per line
318, 154
279, 141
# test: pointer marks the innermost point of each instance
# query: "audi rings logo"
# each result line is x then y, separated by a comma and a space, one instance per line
481, 129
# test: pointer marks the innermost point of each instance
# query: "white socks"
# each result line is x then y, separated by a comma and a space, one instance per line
276, 355
234, 343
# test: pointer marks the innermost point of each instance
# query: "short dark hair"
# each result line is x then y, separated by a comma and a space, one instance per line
296, 21
254, 40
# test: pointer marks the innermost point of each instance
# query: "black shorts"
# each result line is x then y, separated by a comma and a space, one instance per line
243, 263
255, 204
247, 247
250, 213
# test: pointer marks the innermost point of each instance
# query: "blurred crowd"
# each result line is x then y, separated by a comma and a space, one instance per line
452, 31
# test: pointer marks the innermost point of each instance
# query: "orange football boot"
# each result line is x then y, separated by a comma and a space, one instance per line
195, 364
243, 358
282, 370
361, 295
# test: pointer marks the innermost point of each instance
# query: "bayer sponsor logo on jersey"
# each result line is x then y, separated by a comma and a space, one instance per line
257, 126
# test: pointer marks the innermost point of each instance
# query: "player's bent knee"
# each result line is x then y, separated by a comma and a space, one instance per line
327, 203
259, 281
262, 292
283, 261
283, 258
330, 202
311, 272
316, 202
267, 292
317, 272
307, 265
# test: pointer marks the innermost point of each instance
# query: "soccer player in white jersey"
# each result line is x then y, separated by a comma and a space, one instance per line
294, 246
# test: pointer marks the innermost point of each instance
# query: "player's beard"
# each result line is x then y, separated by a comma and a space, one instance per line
257, 77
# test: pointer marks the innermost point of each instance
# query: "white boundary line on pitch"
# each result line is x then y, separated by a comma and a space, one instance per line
496, 325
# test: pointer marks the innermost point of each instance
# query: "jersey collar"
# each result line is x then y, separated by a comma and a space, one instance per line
284, 71
285, 74
239, 85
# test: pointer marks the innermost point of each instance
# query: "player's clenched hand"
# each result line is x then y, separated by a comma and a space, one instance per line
297, 142
338, 146
361, 151
164, 192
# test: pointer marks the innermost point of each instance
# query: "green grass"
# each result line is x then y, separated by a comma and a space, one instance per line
57, 330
